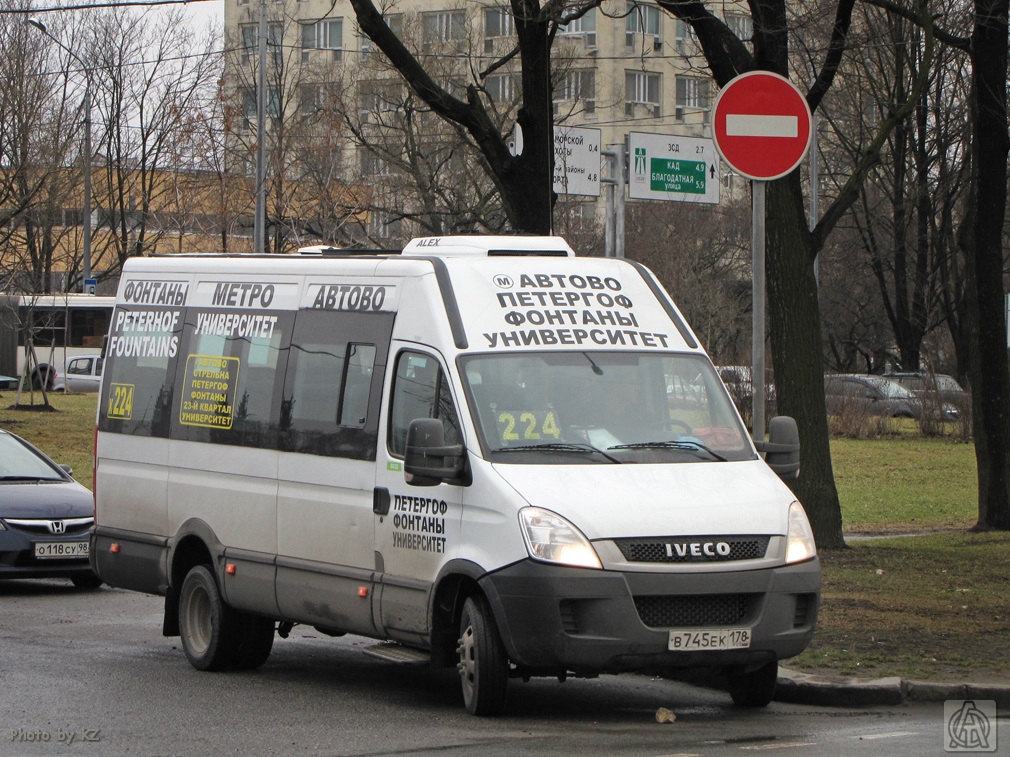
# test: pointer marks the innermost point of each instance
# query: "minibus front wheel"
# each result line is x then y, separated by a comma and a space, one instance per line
483, 663
755, 688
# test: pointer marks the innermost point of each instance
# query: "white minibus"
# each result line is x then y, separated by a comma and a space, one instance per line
483, 452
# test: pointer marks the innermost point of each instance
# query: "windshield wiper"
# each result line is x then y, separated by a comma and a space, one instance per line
27, 478
690, 446
559, 447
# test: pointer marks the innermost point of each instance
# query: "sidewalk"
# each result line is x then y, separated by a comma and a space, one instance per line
830, 691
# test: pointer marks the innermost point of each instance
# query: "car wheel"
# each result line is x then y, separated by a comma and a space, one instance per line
483, 664
254, 642
756, 688
206, 623
86, 581
42, 376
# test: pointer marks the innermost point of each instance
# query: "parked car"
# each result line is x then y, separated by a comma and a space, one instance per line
938, 384
45, 517
874, 395
737, 379
83, 374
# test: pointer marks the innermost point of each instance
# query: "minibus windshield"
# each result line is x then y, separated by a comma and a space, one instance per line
602, 408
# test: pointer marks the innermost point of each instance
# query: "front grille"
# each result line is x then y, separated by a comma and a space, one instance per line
678, 549
41, 526
693, 611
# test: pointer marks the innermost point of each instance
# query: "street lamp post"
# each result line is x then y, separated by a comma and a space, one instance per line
86, 263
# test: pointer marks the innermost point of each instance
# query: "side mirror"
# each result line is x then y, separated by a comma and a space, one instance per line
425, 461
782, 450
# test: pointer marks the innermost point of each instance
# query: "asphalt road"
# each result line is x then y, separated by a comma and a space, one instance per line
88, 673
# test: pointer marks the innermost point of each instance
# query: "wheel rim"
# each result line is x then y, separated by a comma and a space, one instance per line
197, 621
468, 662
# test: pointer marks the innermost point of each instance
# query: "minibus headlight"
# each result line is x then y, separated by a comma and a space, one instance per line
551, 538
800, 540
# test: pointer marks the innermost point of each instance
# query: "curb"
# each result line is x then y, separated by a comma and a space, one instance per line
795, 687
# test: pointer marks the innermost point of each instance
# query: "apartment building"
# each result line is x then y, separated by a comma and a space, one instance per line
624, 67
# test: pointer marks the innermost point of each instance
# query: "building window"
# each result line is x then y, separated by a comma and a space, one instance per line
502, 88
583, 26
327, 34
687, 40
741, 25
499, 28
443, 26
248, 108
382, 225
275, 41
365, 45
692, 94
642, 94
577, 85
375, 97
643, 19
250, 38
249, 34
372, 164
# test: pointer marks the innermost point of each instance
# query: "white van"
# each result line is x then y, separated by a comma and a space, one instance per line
500, 456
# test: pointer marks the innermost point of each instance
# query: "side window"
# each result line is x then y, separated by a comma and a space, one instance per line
142, 354
357, 380
420, 390
80, 367
230, 384
333, 380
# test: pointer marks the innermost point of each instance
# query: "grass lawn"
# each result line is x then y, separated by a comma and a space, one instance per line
66, 435
905, 484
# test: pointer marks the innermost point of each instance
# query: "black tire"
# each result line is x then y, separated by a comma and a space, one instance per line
86, 581
483, 663
254, 641
43, 375
756, 688
206, 623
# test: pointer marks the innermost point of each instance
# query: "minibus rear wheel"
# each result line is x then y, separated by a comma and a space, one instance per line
254, 641
206, 623
483, 663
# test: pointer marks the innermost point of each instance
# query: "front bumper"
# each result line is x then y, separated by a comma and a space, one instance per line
556, 619
17, 557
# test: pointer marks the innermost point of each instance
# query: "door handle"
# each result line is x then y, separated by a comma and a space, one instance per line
380, 500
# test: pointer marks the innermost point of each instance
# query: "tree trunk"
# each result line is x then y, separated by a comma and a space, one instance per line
989, 374
799, 376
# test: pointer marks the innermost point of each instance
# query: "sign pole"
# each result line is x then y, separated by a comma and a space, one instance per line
758, 321
762, 127
619, 209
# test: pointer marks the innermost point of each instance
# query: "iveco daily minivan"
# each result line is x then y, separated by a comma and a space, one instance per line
493, 453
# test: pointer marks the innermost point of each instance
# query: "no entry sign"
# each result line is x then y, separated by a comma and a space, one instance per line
761, 125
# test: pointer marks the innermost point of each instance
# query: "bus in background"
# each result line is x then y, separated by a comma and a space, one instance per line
62, 326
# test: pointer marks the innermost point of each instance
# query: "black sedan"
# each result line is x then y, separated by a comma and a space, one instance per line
45, 517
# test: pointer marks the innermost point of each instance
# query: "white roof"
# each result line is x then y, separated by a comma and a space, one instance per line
488, 246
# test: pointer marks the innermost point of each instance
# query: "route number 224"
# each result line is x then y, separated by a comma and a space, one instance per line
527, 425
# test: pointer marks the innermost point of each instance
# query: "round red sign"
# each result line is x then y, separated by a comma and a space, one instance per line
762, 125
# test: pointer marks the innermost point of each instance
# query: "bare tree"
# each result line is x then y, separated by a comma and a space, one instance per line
794, 316
40, 161
149, 76
523, 181
901, 236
